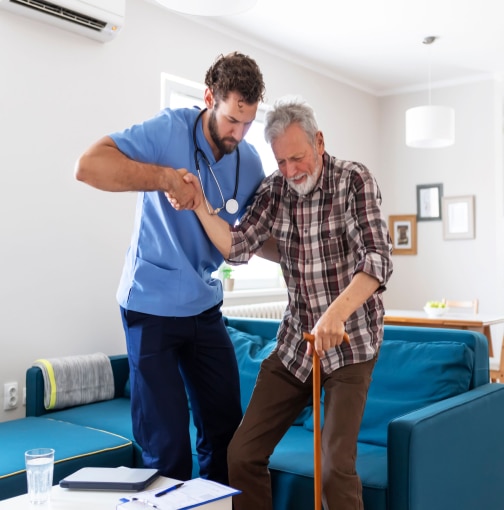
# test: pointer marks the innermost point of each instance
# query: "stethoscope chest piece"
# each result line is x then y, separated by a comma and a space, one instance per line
232, 206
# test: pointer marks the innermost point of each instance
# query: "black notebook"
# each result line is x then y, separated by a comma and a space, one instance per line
110, 479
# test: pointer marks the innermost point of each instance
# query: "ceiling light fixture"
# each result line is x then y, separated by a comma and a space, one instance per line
430, 126
208, 7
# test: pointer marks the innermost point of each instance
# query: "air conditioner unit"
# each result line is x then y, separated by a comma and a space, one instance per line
99, 19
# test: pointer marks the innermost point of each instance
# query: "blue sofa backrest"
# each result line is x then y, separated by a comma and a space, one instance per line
266, 328
416, 367
476, 342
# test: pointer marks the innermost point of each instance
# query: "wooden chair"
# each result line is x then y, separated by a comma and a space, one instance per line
497, 367
496, 364
468, 306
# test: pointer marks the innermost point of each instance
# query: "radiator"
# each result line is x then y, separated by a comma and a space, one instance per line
274, 310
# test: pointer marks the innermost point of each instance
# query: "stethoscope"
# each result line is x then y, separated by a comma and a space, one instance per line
230, 205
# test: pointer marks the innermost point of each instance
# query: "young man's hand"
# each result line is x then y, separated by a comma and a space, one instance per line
186, 194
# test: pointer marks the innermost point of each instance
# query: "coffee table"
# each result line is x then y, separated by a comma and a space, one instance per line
71, 499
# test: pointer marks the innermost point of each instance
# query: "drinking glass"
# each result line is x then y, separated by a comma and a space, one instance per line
39, 474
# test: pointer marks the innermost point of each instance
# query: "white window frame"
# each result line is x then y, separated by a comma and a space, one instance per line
246, 276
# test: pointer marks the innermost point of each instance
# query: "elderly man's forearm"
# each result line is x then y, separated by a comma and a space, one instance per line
217, 230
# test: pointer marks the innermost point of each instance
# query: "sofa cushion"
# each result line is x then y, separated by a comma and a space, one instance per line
75, 446
408, 376
250, 351
291, 467
411, 375
111, 415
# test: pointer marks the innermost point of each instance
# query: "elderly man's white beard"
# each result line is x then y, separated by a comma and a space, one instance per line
307, 186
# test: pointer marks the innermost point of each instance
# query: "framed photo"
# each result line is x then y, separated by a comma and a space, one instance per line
403, 231
429, 201
458, 217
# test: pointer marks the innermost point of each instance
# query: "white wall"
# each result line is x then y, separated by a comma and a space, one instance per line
456, 269
62, 243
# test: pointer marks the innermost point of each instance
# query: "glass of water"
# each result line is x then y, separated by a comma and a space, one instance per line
39, 474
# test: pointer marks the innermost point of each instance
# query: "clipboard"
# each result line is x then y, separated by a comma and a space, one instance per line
110, 479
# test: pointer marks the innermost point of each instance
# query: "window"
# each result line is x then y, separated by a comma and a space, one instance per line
177, 92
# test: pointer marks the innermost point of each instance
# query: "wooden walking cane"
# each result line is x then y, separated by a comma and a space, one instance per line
317, 446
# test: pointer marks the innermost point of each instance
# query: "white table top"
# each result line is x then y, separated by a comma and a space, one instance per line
450, 314
71, 499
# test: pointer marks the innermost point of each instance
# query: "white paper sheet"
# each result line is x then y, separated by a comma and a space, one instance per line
192, 494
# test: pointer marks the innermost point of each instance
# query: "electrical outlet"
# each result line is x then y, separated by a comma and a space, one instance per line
10, 396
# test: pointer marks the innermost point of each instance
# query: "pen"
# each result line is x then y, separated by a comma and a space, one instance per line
169, 489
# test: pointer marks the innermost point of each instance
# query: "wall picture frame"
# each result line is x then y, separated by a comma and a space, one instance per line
429, 201
403, 232
458, 217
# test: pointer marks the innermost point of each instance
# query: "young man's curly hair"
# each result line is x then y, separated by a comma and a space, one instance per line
235, 73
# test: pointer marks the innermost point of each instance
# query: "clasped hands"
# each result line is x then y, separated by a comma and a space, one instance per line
329, 331
186, 193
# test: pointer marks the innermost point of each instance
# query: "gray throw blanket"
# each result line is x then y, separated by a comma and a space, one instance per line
75, 380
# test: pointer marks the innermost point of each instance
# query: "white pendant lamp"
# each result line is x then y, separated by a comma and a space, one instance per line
208, 7
430, 126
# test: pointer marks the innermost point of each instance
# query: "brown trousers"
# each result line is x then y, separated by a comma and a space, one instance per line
277, 400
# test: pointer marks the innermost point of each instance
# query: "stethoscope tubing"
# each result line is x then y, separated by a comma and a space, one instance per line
231, 205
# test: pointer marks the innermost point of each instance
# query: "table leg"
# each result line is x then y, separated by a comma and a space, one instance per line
488, 334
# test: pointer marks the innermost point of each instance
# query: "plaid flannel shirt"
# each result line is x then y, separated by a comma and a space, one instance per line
324, 239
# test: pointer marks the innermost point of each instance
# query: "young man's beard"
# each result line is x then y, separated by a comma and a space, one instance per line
224, 148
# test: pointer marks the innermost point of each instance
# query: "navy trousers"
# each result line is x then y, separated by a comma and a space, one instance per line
176, 362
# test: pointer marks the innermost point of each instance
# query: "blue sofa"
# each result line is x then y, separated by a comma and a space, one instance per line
429, 438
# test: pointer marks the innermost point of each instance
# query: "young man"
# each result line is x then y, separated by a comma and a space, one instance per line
177, 344
335, 253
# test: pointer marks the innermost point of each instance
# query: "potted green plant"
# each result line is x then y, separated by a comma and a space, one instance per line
227, 277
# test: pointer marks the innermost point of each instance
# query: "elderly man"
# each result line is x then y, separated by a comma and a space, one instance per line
335, 252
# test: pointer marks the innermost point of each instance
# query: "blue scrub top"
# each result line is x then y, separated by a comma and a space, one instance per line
170, 259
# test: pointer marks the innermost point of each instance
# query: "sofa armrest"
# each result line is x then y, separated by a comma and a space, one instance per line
35, 384
448, 454
35, 392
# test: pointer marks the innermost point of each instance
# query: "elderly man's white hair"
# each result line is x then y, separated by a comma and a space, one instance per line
286, 111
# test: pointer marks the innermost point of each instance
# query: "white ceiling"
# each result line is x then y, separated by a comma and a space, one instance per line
376, 45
